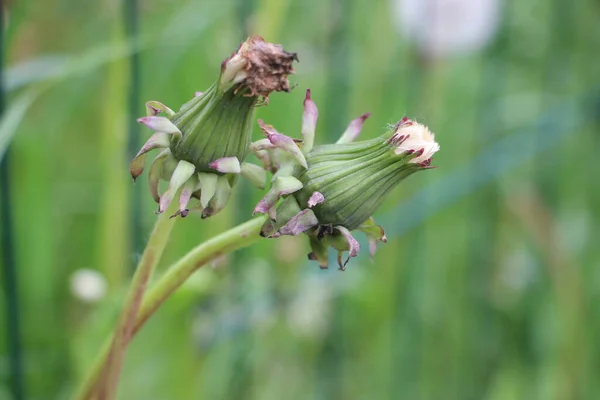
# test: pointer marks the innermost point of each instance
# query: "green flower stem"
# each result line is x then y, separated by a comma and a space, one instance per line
124, 329
236, 238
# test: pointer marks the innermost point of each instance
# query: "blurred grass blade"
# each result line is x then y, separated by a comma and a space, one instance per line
13, 116
49, 67
35, 70
53, 69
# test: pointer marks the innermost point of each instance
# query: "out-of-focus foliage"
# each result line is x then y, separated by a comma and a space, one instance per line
487, 288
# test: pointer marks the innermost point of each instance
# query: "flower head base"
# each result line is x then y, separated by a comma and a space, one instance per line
330, 190
206, 142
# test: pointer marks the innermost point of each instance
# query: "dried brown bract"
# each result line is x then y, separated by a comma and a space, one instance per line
261, 67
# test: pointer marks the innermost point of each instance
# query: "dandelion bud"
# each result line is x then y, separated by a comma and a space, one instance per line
354, 178
337, 187
210, 135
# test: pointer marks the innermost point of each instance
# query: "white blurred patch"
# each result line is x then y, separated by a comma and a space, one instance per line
575, 229
517, 272
447, 27
88, 285
519, 269
308, 313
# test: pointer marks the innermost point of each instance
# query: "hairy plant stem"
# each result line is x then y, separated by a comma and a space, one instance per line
236, 238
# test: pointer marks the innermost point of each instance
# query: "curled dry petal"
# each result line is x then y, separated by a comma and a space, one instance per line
155, 173
287, 185
156, 141
272, 214
155, 107
319, 251
267, 229
372, 230
309, 122
186, 194
352, 246
255, 174
265, 159
283, 142
267, 202
219, 200
281, 187
208, 187
353, 130
302, 221
160, 124
182, 173
372, 247
374, 233
315, 198
262, 144
285, 211
227, 165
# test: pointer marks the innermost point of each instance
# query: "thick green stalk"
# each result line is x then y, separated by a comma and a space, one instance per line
123, 331
236, 238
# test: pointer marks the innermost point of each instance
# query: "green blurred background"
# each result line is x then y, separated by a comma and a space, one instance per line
487, 289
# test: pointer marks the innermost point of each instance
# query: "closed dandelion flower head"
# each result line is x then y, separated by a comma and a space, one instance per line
205, 143
328, 191
412, 137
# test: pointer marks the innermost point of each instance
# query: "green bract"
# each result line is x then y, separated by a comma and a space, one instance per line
206, 142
